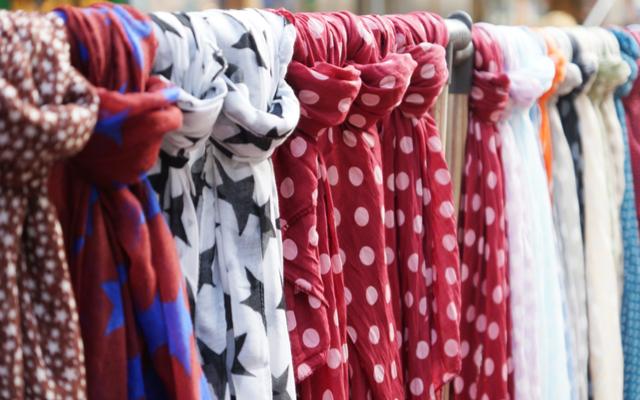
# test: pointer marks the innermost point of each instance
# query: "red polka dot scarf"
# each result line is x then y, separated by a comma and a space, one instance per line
485, 321
314, 279
133, 307
47, 111
421, 248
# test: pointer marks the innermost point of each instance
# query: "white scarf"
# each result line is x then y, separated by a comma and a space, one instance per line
232, 255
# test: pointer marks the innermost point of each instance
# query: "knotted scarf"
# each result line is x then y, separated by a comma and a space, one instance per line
485, 345
353, 155
418, 190
630, 323
47, 111
314, 283
566, 213
133, 306
545, 125
536, 303
188, 55
632, 107
613, 71
605, 348
243, 330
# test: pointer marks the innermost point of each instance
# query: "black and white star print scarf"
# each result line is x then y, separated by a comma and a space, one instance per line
193, 62
237, 285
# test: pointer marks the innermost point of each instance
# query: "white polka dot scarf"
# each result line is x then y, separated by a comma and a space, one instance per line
240, 316
47, 112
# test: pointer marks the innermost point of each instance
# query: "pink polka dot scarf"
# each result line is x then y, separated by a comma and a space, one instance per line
314, 283
421, 247
134, 311
47, 111
485, 321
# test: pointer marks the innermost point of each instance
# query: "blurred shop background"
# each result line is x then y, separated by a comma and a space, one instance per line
512, 12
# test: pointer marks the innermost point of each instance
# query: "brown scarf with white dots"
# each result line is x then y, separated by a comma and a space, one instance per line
47, 112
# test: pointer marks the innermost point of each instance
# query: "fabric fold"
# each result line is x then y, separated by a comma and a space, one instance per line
134, 311
47, 112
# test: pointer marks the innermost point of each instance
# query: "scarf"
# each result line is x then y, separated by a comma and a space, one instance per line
353, 154
605, 348
630, 52
632, 106
314, 279
536, 303
485, 321
47, 112
612, 72
566, 213
545, 124
413, 164
133, 307
241, 318
189, 56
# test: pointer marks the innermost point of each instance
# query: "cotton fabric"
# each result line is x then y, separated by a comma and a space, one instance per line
485, 343
531, 75
133, 306
605, 349
566, 213
314, 278
630, 52
632, 106
47, 111
418, 191
241, 312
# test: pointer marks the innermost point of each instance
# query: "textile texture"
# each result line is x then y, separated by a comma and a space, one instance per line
126, 276
47, 111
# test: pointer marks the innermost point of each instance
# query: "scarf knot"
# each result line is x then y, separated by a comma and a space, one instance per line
613, 71
383, 86
427, 81
630, 52
326, 93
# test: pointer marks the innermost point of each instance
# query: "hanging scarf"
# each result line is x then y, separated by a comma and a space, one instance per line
47, 111
566, 212
545, 125
353, 154
605, 349
630, 52
418, 191
133, 307
314, 284
570, 120
612, 72
536, 301
632, 107
189, 56
485, 346
242, 329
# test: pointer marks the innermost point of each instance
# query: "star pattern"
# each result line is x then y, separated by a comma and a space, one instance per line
215, 369
176, 206
110, 125
228, 316
261, 142
255, 301
266, 226
247, 41
136, 31
205, 276
234, 73
168, 323
113, 292
237, 368
186, 21
279, 386
164, 26
239, 194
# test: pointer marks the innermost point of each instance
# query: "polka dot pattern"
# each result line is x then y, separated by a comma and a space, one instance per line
314, 285
48, 109
485, 346
419, 202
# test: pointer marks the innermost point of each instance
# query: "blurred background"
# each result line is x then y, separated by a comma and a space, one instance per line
512, 12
